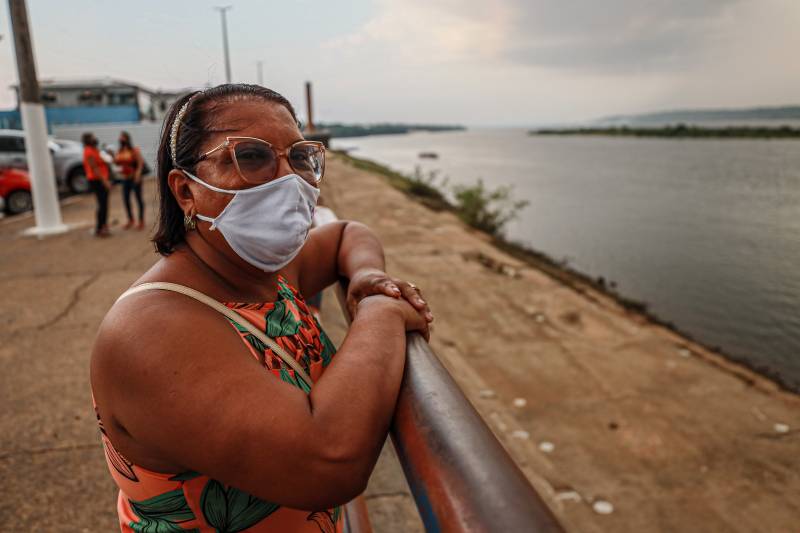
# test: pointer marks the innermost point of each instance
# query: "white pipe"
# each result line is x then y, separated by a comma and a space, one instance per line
46, 209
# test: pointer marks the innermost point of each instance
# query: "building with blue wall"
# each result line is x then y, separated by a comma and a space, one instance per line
98, 101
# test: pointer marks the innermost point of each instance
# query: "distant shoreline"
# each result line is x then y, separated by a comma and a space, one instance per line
680, 131
339, 130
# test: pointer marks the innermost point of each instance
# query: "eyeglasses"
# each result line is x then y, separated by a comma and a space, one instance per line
256, 160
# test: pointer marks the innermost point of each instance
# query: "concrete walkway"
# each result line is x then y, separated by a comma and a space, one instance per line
602, 410
55, 292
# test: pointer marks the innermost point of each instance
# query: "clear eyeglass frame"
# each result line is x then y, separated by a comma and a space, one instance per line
313, 176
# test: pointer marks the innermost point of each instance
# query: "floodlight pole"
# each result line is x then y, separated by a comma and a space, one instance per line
310, 108
222, 11
46, 210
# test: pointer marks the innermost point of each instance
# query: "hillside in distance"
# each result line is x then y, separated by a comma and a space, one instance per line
700, 116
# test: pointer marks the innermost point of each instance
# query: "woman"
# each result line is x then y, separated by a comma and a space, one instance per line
131, 163
97, 173
197, 435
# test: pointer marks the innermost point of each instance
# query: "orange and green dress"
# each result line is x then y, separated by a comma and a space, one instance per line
155, 502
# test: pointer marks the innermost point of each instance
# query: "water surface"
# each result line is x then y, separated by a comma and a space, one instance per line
706, 231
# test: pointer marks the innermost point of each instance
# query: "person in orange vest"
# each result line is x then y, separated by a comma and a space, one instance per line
131, 163
97, 173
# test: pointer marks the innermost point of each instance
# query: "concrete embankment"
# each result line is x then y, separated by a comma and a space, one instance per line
603, 410
596, 403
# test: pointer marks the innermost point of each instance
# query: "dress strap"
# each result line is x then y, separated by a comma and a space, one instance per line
230, 314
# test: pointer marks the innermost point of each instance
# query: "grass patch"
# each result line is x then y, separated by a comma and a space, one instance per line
488, 210
417, 186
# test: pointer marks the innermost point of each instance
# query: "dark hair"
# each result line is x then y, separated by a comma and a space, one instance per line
191, 133
87, 138
127, 137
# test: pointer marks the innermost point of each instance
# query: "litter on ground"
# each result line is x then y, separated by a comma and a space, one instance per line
547, 447
602, 507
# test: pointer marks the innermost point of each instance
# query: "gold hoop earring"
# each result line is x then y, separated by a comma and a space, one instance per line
189, 223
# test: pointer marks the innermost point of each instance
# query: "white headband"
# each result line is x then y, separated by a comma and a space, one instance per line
173, 134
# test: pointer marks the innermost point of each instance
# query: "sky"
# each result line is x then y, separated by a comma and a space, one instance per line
473, 62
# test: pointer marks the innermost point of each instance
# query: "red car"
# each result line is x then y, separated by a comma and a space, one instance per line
15, 191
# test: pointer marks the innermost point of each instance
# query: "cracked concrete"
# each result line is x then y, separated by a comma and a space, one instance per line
76, 295
55, 292
52, 449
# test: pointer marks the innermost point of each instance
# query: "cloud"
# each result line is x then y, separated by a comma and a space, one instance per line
615, 37
467, 61
550, 61
421, 31
618, 36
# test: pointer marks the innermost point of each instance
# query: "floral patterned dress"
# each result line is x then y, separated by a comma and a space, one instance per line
154, 502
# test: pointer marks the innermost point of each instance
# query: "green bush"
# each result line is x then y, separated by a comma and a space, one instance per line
486, 210
481, 208
427, 186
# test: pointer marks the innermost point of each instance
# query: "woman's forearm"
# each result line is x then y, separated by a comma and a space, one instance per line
359, 250
356, 396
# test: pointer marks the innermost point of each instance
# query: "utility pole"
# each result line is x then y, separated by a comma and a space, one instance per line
310, 108
260, 68
46, 209
222, 11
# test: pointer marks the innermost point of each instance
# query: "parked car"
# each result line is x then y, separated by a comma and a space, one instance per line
15, 191
67, 159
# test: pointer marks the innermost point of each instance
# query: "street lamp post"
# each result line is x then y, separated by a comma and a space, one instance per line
46, 210
222, 11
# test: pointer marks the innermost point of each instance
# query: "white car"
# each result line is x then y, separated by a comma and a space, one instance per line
67, 159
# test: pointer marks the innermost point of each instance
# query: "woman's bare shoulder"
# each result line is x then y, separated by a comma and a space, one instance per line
142, 321
145, 326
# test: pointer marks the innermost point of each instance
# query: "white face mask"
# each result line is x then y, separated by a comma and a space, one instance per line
266, 225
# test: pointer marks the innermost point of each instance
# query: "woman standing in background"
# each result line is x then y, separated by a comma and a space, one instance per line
131, 163
98, 175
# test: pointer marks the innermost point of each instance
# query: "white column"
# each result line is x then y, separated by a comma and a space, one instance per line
46, 209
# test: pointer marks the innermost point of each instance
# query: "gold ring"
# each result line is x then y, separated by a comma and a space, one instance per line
412, 286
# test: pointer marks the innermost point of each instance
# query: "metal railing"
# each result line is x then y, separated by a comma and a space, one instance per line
461, 477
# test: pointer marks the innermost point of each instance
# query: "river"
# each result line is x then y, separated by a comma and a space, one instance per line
706, 232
